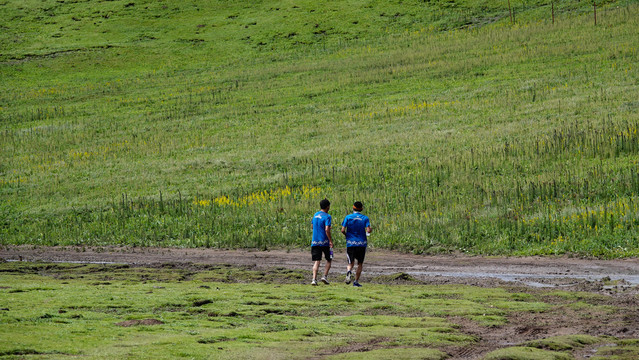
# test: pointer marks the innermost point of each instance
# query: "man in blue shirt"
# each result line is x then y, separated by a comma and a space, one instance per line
322, 242
356, 227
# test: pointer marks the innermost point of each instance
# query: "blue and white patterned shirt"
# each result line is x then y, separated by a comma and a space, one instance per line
356, 225
320, 221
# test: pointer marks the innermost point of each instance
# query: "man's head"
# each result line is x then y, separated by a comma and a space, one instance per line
325, 204
358, 206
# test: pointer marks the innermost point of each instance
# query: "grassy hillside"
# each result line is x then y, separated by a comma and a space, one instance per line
175, 123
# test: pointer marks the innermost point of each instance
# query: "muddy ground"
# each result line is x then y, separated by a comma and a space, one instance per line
616, 280
564, 272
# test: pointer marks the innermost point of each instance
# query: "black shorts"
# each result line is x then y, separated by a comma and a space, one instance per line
356, 253
316, 253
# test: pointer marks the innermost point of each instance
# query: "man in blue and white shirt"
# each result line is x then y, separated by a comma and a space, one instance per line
322, 242
356, 227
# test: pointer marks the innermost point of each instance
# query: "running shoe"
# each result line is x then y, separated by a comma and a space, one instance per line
323, 279
348, 277
314, 282
356, 284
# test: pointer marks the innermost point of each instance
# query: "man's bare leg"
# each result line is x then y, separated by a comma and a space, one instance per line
316, 265
326, 268
359, 271
349, 267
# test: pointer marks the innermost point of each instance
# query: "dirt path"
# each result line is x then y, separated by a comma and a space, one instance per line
481, 271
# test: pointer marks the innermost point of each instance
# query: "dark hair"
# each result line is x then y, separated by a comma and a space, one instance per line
324, 204
358, 206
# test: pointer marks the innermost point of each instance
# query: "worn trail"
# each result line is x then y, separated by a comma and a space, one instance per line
487, 271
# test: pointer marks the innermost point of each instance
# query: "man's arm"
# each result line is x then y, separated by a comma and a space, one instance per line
344, 230
328, 234
369, 229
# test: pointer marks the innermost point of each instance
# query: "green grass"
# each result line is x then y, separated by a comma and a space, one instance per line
561, 347
401, 353
222, 125
75, 309
620, 350
565, 342
527, 353
60, 310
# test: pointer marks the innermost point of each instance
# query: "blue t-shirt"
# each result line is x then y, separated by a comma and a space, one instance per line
320, 221
356, 225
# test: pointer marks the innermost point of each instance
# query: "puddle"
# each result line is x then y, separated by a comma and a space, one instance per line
529, 279
72, 262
